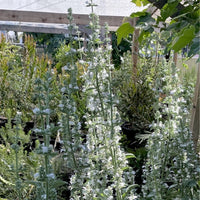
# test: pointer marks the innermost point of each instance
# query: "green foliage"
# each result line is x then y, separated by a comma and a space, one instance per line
16, 168
135, 98
184, 25
138, 14
123, 31
119, 50
140, 2
18, 69
168, 10
137, 2
145, 21
49, 42
185, 37
195, 47
61, 58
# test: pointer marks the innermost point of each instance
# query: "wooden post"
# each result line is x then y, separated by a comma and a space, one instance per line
135, 49
84, 41
195, 118
175, 58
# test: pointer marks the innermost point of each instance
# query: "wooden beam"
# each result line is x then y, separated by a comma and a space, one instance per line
195, 118
57, 18
31, 28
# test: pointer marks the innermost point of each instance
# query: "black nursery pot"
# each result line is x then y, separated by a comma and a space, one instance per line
28, 127
129, 131
132, 144
3, 121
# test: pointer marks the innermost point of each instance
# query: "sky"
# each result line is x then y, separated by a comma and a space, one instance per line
105, 7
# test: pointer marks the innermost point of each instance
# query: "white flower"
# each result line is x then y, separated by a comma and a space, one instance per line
60, 105
52, 71
36, 175
47, 111
91, 107
52, 176
132, 197
44, 149
63, 89
66, 68
81, 61
71, 123
36, 110
81, 39
76, 87
173, 92
44, 196
73, 50
36, 130
81, 50
19, 113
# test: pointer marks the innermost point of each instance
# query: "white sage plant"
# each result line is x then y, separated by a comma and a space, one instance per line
70, 126
45, 178
172, 169
19, 138
104, 177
